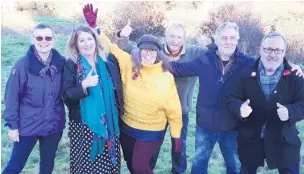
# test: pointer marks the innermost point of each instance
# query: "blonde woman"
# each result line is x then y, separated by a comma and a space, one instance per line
92, 94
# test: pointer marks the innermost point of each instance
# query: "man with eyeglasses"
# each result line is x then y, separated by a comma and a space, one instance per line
218, 71
268, 101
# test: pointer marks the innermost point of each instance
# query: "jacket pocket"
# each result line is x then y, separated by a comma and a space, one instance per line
293, 140
35, 92
290, 136
28, 115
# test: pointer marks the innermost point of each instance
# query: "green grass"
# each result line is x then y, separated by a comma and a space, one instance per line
15, 47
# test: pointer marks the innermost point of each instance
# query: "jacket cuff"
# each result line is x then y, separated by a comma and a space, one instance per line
13, 125
290, 118
238, 111
175, 132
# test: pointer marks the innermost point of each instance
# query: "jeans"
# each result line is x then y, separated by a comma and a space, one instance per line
179, 160
22, 149
204, 144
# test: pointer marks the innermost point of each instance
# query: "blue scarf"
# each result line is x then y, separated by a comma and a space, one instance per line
98, 110
269, 83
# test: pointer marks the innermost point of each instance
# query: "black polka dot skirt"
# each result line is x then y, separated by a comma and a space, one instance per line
81, 140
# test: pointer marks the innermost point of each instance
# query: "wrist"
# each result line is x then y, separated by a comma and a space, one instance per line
94, 26
84, 84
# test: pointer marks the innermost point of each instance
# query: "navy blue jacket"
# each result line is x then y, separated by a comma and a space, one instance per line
73, 92
281, 144
33, 104
211, 111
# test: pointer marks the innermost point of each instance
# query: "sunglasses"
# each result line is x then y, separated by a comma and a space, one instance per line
47, 38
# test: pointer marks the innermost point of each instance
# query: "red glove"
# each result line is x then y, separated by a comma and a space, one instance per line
89, 15
178, 145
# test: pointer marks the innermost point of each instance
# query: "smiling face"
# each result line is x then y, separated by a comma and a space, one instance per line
272, 52
43, 40
227, 41
175, 39
86, 44
148, 56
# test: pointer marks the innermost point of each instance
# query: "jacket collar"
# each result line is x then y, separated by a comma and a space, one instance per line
34, 65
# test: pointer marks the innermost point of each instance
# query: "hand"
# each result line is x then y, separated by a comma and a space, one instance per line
298, 69
127, 30
178, 145
89, 15
282, 112
245, 109
90, 80
13, 135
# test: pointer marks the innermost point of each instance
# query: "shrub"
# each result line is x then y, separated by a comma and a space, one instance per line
251, 30
146, 18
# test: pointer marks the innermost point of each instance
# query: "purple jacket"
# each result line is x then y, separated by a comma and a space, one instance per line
34, 103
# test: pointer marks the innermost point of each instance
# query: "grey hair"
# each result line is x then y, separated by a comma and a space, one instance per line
174, 26
274, 34
226, 25
137, 65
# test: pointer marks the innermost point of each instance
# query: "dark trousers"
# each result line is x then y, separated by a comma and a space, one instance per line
138, 153
179, 160
253, 170
22, 149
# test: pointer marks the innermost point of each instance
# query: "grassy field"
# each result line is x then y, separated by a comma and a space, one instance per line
13, 47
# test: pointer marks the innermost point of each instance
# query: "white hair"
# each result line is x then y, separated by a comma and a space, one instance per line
175, 26
226, 25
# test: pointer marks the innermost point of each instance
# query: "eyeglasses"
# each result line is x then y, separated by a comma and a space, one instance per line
47, 38
149, 50
270, 50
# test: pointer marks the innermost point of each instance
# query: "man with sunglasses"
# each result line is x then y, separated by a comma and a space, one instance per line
268, 101
34, 108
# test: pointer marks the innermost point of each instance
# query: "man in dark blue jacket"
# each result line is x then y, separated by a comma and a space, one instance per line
217, 70
268, 101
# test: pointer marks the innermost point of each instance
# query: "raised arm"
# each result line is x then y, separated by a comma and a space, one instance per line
186, 69
121, 37
122, 56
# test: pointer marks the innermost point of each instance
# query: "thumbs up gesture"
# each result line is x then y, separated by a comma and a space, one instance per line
245, 109
126, 30
282, 112
90, 80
